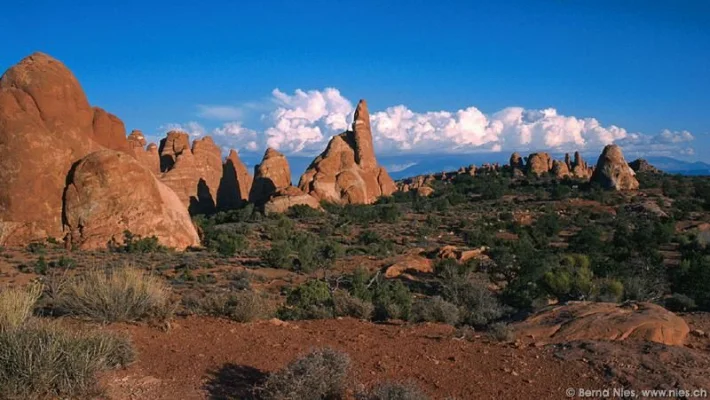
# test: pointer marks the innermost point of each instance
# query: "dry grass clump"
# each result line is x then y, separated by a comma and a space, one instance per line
320, 374
41, 360
394, 391
241, 306
345, 305
121, 294
17, 305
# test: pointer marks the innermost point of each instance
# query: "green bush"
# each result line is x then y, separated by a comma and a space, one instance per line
345, 305
225, 243
137, 244
680, 303
320, 374
311, 300
500, 332
435, 309
572, 280
392, 300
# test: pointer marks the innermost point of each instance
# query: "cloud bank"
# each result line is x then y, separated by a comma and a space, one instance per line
302, 123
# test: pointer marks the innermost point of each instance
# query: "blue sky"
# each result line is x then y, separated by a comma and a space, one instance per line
639, 68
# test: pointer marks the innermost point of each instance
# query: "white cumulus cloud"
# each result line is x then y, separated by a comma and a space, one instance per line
303, 123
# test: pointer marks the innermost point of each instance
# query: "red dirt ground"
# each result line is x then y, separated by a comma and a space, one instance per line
205, 358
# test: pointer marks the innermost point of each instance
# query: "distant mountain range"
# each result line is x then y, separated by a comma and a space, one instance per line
403, 166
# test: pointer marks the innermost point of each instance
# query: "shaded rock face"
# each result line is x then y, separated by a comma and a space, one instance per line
195, 174
109, 192
579, 168
539, 163
612, 171
516, 161
347, 171
46, 125
560, 169
271, 175
605, 321
641, 165
235, 185
174, 144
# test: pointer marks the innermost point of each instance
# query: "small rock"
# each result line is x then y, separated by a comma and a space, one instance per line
698, 333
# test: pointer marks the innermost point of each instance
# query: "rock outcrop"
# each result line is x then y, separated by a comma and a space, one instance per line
109, 131
109, 192
283, 199
641, 165
174, 144
271, 175
560, 170
414, 261
579, 167
46, 125
604, 321
612, 171
516, 161
194, 174
148, 157
236, 183
539, 164
347, 171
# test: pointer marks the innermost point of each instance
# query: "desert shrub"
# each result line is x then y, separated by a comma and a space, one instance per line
44, 361
500, 332
435, 309
302, 211
121, 294
37, 247
693, 280
137, 244
679, 303
459, 285
610, 290
374, 243
571, 280
40, 266
302, 251
358, 284
278, 255
345, 305
392, 300
393, 391
17, 305
241, 306
311, 300
224, 242
320, 374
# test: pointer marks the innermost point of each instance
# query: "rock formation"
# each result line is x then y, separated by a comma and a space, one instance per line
604, 321
347, 171
194, 174
560, 169
285, 198
641, 165
539, 164
612, 171
271, 175
516, 161
109, 131
235, 185
579, 168
109, 192
174, 144
46, 125
148, 157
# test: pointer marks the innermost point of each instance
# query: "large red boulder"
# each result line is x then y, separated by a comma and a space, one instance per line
46, 125
110, 192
